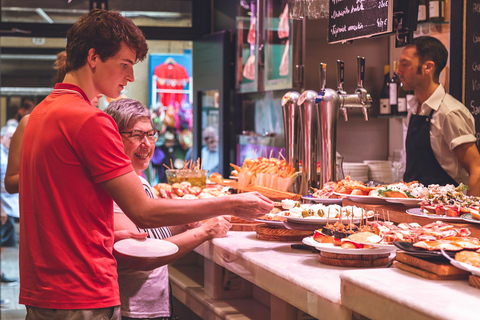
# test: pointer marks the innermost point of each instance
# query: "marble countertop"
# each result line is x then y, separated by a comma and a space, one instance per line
330, 292
396, 294
293, 275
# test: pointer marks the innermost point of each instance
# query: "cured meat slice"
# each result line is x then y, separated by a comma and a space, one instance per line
437, 245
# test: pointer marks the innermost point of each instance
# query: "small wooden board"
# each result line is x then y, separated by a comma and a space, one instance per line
265, 232
474, 281
244, 226
437, 267
427, 274
343, 256
377, 262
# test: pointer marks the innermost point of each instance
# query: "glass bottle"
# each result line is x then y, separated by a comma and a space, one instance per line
393, 90
401, 100
436, 10
422, 11
384, 94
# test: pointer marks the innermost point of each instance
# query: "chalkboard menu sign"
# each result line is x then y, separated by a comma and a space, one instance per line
353, 19
472, 61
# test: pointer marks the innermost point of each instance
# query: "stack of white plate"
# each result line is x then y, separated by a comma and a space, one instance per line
380, 171
357, 170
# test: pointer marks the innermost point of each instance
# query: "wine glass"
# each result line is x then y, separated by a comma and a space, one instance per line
398, 164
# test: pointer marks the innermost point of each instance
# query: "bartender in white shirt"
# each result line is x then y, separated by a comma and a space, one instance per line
440, 143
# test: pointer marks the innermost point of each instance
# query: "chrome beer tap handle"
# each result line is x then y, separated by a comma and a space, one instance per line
340, 83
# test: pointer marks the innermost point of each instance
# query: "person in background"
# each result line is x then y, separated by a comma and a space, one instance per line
9, 202
440, 143
60, 66
144, 282
210, 155
72, 165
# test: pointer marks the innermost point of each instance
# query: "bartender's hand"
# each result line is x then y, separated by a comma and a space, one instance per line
126, 234
4, 217
216, 227
250, 205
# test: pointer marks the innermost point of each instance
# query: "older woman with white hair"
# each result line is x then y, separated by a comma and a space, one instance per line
143, 282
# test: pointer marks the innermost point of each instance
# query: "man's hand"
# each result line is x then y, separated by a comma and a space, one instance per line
250, 205
4, 217
126, 234
217, 227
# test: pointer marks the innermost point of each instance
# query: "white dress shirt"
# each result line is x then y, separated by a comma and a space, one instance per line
452, 125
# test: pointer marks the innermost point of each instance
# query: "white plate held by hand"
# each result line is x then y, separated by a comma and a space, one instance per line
148, 248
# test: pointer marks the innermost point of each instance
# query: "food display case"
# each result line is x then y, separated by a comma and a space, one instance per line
269, 48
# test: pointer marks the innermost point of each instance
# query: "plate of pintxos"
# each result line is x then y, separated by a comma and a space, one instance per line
323, 200
419, 212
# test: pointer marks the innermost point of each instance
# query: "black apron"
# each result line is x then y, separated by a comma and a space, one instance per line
422, 165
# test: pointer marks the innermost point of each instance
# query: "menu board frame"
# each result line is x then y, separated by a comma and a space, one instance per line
355, 19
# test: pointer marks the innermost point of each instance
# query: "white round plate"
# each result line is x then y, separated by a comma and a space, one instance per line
405, 201
363, 199
148, 248
322, 221
329, 247
468, 217
461, 265
323, 200
373, 244
419, 213
233, 178
272, 223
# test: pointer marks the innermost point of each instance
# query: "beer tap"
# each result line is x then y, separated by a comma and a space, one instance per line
340, 82
328, 105
361, 98
292, 127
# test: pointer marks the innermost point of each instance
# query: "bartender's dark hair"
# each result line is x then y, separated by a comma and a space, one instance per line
126, 112
103, 31
430, 48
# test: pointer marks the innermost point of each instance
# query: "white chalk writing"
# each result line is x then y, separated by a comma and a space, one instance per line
476, 7
340, 13
476, 38
335, 30
475, 109
475, 85
475, 66
382, 4
358, 7
358, 26
381, 22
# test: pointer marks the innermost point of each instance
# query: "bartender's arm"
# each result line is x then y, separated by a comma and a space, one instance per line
468, 156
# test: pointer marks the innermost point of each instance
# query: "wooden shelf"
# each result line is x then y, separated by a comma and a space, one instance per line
187, 287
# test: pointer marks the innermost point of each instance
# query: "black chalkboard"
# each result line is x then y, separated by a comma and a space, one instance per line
353, 19
472, 61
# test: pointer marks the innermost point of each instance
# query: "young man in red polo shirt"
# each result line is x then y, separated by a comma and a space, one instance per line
72, 165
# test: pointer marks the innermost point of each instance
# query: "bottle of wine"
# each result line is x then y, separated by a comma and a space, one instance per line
436, 11
402, 100
393, 86
385, 94
422, 11
410, 95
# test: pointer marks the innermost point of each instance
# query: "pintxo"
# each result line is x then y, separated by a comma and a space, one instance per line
353, 19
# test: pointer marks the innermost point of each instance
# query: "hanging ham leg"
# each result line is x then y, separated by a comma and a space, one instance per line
283, 27
285, 64
249, 69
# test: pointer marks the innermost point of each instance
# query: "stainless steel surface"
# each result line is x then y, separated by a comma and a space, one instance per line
24, 91
340, 83
292, 128
327, 119
309, 115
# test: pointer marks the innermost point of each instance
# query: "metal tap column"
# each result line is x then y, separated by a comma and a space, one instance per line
308, 110
329, 104
293, 128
